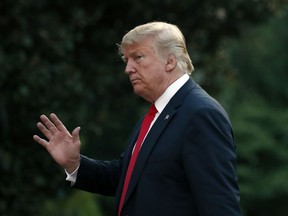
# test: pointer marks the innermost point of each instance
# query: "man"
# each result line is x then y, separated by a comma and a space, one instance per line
186, 164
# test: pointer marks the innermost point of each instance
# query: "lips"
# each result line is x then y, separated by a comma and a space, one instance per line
134, 81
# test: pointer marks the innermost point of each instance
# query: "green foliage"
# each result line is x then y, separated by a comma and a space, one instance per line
261, 60
263, 162
77, 204
61, 56
258, 108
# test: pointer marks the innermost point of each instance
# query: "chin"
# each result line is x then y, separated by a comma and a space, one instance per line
138, 92
137, 89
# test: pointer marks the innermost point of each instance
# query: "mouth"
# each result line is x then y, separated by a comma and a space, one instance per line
134, 81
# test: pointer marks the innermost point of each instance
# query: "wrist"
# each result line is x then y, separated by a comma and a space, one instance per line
72, 166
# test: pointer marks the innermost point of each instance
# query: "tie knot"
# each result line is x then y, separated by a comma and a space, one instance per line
152, 110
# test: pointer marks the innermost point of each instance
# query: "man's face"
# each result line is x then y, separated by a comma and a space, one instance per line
146, 70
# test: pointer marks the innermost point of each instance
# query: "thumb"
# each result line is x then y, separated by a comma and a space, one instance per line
75, 134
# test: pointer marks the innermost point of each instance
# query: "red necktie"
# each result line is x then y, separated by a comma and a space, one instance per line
143, 131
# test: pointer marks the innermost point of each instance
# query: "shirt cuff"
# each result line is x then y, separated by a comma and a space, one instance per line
72, 176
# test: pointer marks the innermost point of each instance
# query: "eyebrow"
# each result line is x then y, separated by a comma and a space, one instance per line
132, 53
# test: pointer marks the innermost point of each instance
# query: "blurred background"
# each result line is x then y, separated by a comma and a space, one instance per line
61, 56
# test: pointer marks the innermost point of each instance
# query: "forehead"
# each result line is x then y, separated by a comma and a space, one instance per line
145, 46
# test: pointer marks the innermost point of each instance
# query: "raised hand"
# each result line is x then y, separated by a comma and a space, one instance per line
63, 146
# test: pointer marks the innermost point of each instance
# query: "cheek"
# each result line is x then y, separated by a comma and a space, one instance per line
152, 75
158, 76
151, 78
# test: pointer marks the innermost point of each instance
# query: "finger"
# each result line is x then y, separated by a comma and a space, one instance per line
41, 141
75, 134
49, 125
44, 130
59, 125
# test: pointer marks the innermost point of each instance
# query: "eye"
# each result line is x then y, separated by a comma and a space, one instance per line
138, 57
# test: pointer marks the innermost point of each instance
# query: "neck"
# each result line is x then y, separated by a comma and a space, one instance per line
162, 88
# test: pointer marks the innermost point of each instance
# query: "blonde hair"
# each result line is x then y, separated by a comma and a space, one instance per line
168, 39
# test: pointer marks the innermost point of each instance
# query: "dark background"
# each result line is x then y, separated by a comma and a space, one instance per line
61, 56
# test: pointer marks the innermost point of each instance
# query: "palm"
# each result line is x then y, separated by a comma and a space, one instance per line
61, 145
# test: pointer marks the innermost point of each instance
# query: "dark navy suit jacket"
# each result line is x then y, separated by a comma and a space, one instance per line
186, 166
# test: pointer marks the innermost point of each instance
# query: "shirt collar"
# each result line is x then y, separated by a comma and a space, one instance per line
163, 100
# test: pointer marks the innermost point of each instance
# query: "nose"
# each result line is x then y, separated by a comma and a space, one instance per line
129, 67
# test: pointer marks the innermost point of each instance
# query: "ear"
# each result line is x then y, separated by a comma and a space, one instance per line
171, 63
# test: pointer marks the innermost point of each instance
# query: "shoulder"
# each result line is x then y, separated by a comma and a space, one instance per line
192, 98
198, 98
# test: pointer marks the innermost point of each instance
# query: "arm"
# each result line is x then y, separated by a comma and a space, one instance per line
98, 176
209, 157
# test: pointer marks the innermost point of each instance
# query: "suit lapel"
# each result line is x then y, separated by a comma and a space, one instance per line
162, 121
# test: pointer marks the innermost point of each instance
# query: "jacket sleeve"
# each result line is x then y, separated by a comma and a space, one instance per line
98, 176
209, 158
